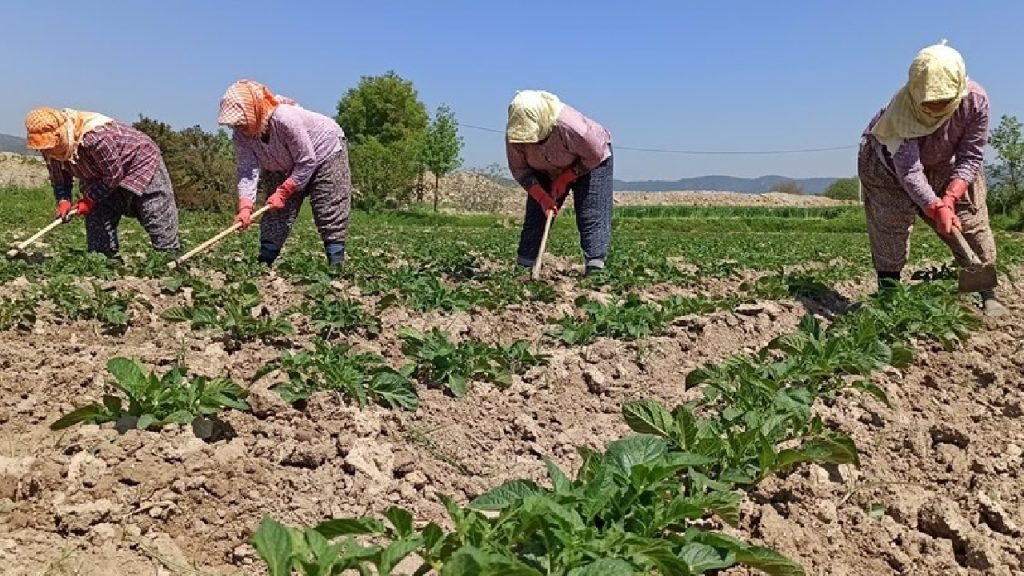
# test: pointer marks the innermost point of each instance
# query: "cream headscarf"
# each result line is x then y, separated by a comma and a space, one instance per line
531, 116
58, 133
937, 73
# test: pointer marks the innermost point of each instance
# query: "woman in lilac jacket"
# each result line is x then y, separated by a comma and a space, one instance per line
294, 153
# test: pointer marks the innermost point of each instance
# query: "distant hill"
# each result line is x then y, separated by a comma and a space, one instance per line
14, 144
725, 184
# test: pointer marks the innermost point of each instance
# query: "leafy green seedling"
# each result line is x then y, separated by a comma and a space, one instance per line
360, 377
154, 401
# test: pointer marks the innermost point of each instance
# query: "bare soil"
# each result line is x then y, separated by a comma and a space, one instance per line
939, 492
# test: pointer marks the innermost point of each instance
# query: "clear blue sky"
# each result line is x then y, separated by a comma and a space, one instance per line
723, 75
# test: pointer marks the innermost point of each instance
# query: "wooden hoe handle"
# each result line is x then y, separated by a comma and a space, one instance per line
220, 236
32, 239
535, 272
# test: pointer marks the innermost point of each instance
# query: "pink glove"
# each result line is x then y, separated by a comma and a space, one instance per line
944, 218
955, 191
63, 207
280, 196
547, 203
84, 206
244, 216
561, 184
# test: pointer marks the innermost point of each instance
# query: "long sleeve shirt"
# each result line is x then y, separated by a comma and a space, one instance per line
575, 142
958, 144
300, 140
112, 156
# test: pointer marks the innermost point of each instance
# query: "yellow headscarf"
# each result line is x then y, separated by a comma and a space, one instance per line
937, 73
58, 133
531, 116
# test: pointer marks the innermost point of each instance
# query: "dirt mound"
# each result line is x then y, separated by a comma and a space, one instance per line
22, 171
470, 192
711, 198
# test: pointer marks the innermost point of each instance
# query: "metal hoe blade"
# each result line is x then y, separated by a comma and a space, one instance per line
977, 276
977, 279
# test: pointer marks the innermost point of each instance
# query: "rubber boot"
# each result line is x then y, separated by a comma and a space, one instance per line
888, 280
112, 256
991, 305
268, 253
335, 253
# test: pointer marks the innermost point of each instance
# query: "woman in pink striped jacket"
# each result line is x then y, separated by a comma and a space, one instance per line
552, 149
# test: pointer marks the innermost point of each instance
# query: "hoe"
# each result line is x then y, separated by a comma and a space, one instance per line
20, 247
220, 236
977, 276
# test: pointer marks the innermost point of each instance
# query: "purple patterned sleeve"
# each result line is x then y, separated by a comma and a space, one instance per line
248, 168
910, 170
61, 179
300, 145
970, 151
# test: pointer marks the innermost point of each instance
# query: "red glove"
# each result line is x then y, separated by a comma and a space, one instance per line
280, 196
547, 203
955, 191
244, 216
944, 218
84, 206
561, 184
63, 207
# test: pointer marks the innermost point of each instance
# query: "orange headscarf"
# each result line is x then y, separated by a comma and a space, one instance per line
58, 133
247, 105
